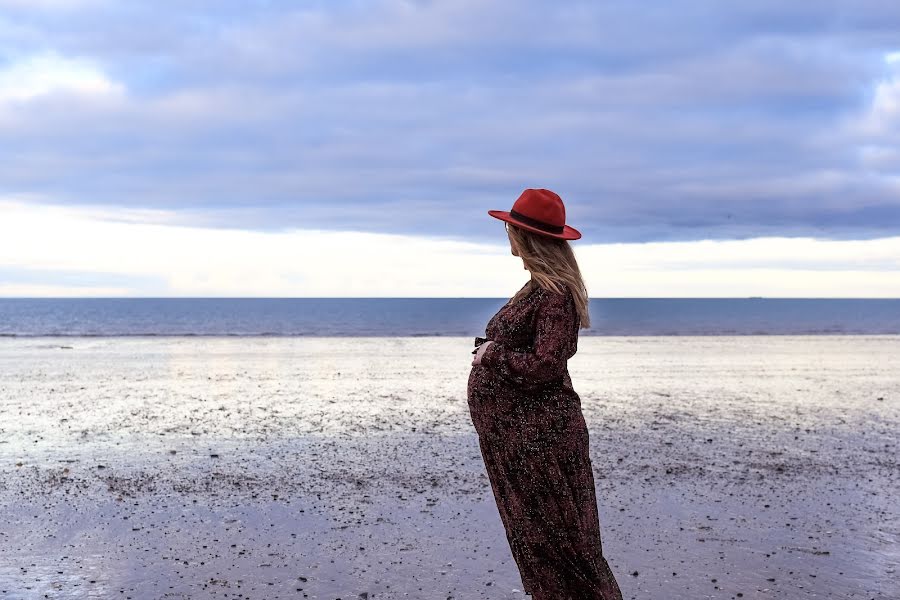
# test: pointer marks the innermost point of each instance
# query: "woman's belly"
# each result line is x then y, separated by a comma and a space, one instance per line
489, 399
496, 406
481, 387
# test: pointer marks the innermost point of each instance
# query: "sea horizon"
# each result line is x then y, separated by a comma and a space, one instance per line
434, 316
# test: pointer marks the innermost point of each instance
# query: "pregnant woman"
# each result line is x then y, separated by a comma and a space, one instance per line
532, 433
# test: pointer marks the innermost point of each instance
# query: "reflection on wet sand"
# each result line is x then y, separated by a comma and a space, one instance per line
753, 467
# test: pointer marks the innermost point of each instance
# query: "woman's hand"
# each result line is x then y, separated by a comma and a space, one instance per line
481, 349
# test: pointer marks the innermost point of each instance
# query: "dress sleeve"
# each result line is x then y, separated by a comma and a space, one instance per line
555, 341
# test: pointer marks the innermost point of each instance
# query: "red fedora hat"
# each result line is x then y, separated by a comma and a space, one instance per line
540, 211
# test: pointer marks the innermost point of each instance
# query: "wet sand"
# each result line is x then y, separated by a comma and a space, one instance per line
726, 467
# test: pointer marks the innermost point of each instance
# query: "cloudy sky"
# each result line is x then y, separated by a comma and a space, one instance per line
353, 148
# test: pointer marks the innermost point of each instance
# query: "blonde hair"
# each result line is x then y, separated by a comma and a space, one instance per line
552, 264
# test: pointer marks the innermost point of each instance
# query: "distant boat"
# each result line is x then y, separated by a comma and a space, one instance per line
754, 297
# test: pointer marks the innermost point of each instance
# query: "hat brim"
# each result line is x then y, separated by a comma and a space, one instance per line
568, 232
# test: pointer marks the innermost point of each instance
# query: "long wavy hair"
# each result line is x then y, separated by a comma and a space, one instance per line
552, 264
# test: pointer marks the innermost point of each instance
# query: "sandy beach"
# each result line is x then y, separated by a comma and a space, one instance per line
726, 467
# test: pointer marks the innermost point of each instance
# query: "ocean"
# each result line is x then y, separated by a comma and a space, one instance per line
355, 317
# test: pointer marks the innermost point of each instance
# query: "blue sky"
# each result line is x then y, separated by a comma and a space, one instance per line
661, 124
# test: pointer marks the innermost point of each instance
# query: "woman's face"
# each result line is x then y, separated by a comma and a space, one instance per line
512, 243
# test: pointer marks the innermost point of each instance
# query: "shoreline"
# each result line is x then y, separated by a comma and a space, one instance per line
824, 334
765, 465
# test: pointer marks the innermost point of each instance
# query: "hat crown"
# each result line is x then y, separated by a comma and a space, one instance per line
539, 211
541, 205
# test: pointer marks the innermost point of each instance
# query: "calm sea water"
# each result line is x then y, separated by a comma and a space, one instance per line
433, 316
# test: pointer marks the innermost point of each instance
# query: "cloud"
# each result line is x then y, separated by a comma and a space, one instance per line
82, 252
42, 5
883, 117
50, 73
683, 122
14, 290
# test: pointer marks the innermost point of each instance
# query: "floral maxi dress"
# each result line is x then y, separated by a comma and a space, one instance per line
534, 442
